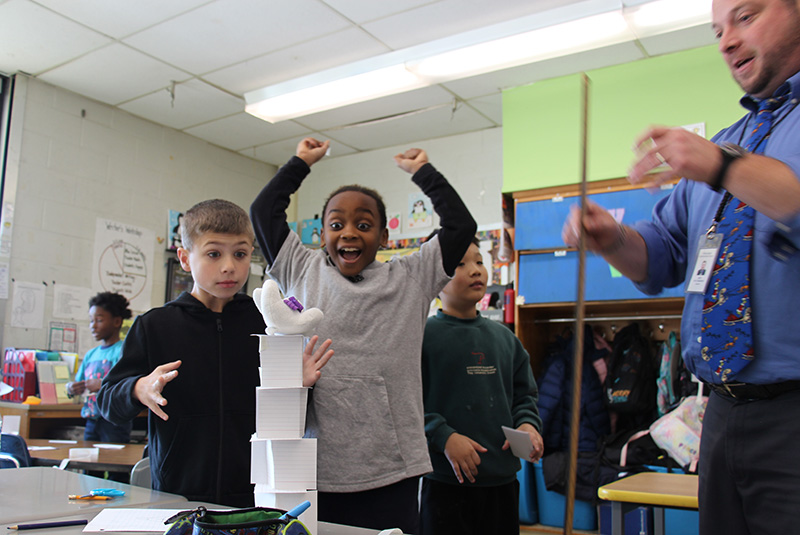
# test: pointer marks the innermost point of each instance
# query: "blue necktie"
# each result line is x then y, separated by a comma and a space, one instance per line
727, 332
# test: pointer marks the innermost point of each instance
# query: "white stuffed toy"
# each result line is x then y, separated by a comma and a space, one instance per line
284, 316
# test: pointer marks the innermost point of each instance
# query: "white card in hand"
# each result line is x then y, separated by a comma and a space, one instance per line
520, 442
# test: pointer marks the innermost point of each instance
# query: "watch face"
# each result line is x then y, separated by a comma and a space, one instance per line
733, 150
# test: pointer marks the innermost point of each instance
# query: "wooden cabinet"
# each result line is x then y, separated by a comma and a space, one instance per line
547, 270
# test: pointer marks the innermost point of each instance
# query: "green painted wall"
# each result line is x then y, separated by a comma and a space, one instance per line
677, 89
542, 134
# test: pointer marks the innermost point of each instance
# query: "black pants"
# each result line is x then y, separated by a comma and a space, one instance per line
393, 506
749, 466
461, 510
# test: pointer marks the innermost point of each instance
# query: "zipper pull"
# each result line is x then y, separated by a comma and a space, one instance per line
200, 511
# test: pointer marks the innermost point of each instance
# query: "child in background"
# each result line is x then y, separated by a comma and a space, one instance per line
366, 411
199, 444
476, 377
107, 311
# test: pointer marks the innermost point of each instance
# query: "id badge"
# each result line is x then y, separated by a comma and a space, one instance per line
704, 261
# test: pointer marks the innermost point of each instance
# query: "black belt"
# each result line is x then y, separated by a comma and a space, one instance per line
752, 392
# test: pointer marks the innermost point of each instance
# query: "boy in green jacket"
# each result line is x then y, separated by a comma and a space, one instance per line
476, 377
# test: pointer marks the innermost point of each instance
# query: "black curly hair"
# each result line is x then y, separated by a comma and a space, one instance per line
114, 303
369, 192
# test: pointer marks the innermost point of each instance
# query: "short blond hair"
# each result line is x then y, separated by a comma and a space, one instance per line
215, 215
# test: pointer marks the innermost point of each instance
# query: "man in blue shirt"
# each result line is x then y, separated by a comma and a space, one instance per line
749, 473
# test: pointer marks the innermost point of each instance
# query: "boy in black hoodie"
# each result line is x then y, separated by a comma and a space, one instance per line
197, 352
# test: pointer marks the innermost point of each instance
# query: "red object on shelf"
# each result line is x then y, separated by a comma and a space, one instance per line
508, 304
19, 372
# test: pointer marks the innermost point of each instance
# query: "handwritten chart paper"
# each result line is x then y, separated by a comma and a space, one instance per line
123, 261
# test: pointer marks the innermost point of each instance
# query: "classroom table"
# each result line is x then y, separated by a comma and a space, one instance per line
38, 493
649, 488
109, 460
324, 528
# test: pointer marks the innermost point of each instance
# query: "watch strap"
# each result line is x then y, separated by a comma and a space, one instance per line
728, 157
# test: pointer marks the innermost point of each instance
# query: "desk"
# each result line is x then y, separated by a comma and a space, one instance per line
39, 420
109, 460
649, 488
37, 494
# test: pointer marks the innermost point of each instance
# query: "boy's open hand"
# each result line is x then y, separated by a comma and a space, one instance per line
411, 160
311, 150
462, 452
313, 361
536, 442
148, 388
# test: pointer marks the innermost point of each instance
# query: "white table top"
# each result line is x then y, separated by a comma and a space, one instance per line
37, 493
40, 494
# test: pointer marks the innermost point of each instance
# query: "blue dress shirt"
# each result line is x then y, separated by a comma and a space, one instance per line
680, 220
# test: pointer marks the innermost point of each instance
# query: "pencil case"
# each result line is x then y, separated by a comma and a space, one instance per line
250, 521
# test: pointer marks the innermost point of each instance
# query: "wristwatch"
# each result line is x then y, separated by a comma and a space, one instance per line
730, 153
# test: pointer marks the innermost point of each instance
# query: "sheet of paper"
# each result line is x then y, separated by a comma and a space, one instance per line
27, 309
62, 441
5, 388
11, 424
520, 442
119, 519
61, 372
40, 448
109, 446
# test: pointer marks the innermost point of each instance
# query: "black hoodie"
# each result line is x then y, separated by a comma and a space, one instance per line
203, 450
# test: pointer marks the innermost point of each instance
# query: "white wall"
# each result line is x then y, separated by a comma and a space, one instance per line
69, 170
66, 170
472, 163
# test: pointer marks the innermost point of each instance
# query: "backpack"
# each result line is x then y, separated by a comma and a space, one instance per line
674, 380
630, 386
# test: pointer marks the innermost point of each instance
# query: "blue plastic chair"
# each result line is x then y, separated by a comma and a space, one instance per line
14, 452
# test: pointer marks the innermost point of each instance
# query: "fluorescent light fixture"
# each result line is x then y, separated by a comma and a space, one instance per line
273, 105
575, 28
529, 47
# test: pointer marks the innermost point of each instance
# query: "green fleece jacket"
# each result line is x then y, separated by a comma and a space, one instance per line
476, 377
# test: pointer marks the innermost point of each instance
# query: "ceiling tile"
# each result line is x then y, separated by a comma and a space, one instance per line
279, 153
435, 123
225, 32
195, 102
491, 106
346, 46
242, 130
119, 19
373, 109
361, 11
113, 74
34, 39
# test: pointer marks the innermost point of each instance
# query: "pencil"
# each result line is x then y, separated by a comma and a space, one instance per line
44, 525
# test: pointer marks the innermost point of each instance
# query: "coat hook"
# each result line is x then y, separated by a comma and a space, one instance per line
661, 327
